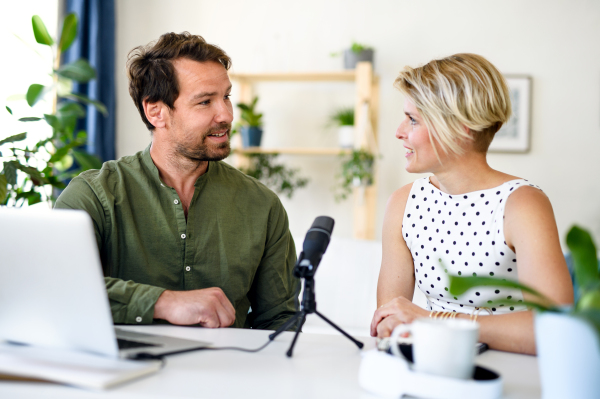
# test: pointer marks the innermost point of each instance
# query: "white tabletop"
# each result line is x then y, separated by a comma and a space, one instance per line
323, 366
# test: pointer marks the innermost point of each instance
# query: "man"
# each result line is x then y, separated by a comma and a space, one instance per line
184, 237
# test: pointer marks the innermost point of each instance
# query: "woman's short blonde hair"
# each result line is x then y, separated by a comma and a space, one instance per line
454, 92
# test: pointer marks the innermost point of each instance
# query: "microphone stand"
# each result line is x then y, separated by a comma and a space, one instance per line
306, 271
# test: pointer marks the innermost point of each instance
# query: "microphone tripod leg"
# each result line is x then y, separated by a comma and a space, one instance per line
286, 325
291, 350
332, 324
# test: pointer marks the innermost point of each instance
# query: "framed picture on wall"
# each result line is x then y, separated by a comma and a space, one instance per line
515, 136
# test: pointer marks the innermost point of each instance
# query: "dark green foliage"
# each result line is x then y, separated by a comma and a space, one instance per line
28, 175
356, 170
249, 116
277, 177
343, 117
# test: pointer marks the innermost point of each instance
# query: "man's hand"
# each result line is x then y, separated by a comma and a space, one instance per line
208, 307
397, 311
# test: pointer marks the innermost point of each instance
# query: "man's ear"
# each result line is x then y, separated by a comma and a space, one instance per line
157, 113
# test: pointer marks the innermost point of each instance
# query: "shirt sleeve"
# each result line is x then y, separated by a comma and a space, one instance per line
130, 302
274, 292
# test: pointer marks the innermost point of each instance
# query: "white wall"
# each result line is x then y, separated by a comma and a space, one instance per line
556, 42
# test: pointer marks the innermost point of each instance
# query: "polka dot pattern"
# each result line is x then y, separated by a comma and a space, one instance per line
460, 235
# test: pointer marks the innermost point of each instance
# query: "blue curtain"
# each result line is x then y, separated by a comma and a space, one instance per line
96, 43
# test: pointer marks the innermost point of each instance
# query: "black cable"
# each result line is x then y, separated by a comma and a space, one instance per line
150, 356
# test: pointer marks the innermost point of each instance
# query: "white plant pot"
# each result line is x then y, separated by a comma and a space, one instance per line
346, 136
568, 357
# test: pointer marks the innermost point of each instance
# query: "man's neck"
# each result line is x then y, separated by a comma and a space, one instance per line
177, 171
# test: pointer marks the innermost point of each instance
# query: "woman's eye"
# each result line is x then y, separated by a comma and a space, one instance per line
412, 120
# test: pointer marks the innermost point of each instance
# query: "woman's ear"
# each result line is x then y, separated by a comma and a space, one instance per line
157, 113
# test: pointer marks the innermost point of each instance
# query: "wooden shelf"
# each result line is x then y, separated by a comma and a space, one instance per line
344, 76
293, 151
367, 93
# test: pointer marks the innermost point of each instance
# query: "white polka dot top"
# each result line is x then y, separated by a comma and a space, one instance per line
460, 235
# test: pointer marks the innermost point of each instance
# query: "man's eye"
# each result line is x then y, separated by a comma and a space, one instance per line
228, 97
205, 102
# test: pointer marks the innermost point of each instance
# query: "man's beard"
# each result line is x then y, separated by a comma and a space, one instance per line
203, 152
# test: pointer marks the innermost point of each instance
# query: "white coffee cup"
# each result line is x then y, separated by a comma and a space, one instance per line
441, 347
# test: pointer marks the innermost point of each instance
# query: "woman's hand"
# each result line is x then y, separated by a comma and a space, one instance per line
397, 311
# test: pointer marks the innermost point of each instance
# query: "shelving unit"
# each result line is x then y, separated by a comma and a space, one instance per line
367, 92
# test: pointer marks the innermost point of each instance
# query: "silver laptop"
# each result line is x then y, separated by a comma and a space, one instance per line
52, 291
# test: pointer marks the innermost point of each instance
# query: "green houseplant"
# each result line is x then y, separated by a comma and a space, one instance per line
277, 177
343, 118
357, 53
567, 338
30, 173
357, 170
251, 125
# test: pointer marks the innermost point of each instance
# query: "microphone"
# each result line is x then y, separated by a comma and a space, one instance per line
316, 242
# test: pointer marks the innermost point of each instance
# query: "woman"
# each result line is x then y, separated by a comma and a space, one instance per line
467, 218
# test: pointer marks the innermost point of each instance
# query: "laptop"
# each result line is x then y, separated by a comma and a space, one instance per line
52, 291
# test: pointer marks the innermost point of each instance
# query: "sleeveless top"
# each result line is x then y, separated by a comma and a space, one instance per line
460, 235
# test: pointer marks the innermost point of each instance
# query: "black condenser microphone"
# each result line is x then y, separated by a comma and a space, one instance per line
316, 241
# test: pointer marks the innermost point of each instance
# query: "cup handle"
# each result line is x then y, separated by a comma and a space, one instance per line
400, 329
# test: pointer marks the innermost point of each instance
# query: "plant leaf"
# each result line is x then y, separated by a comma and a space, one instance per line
40, 32
10, 171
35, 175
3, 187
12, 139
59, 154
460, 285
80, 71
9, 110
53, 121
33, 94
84, 99
69, 32
87, 161
30, 119
583, 251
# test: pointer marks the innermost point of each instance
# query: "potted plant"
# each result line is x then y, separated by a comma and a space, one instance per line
277, 177
567, 338
357, 53
357, 171
344, 119
29, 173
251, 125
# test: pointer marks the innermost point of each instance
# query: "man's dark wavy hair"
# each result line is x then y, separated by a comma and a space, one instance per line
151, 73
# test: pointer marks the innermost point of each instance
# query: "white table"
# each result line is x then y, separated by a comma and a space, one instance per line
323, 366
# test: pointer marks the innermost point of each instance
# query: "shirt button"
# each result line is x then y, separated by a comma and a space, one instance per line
183, 236
162, 185
176, 202
138, 319
187, 268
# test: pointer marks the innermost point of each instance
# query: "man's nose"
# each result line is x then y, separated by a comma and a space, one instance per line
224, 112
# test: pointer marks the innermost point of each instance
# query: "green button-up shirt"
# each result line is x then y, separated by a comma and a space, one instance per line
236, 237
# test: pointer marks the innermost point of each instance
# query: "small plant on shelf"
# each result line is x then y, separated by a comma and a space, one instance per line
251, 125
277, 177
343, 118
30, 172
357, 171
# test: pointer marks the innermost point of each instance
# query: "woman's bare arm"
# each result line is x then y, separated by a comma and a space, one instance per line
396, 277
